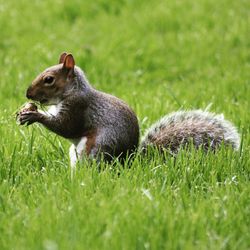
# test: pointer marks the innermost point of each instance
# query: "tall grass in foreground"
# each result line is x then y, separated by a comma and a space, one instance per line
195, 200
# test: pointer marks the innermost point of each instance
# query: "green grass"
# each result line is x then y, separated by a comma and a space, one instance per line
158, 56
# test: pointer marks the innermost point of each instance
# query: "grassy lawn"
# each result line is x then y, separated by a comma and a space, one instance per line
158, 56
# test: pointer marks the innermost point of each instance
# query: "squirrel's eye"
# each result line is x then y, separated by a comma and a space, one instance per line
48, 79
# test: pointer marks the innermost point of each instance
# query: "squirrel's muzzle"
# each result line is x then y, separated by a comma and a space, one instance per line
28, 93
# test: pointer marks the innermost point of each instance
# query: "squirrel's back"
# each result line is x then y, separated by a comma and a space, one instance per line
201, 128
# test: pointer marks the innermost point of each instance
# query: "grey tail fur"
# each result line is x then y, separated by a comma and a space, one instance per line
201, 128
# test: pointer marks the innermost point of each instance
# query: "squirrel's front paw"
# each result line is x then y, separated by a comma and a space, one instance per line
28, 117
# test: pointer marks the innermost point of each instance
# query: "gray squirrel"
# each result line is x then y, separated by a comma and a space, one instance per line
102, 126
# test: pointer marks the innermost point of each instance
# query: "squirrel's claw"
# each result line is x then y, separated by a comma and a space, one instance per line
28, 117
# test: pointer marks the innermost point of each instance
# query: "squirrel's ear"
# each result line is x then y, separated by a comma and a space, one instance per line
69, 62
62, 57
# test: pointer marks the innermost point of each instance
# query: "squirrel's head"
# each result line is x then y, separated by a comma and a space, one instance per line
49, 87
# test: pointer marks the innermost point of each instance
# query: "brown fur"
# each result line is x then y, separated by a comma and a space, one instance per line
38, 91
91, 141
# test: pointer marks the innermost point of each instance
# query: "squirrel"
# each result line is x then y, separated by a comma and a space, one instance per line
101, 126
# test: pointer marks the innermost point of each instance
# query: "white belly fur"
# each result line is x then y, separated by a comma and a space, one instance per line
55, 109
76, 150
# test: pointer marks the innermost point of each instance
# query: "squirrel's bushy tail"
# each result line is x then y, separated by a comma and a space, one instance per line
201, 128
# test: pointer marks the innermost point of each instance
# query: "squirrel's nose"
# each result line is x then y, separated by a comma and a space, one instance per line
28, 94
